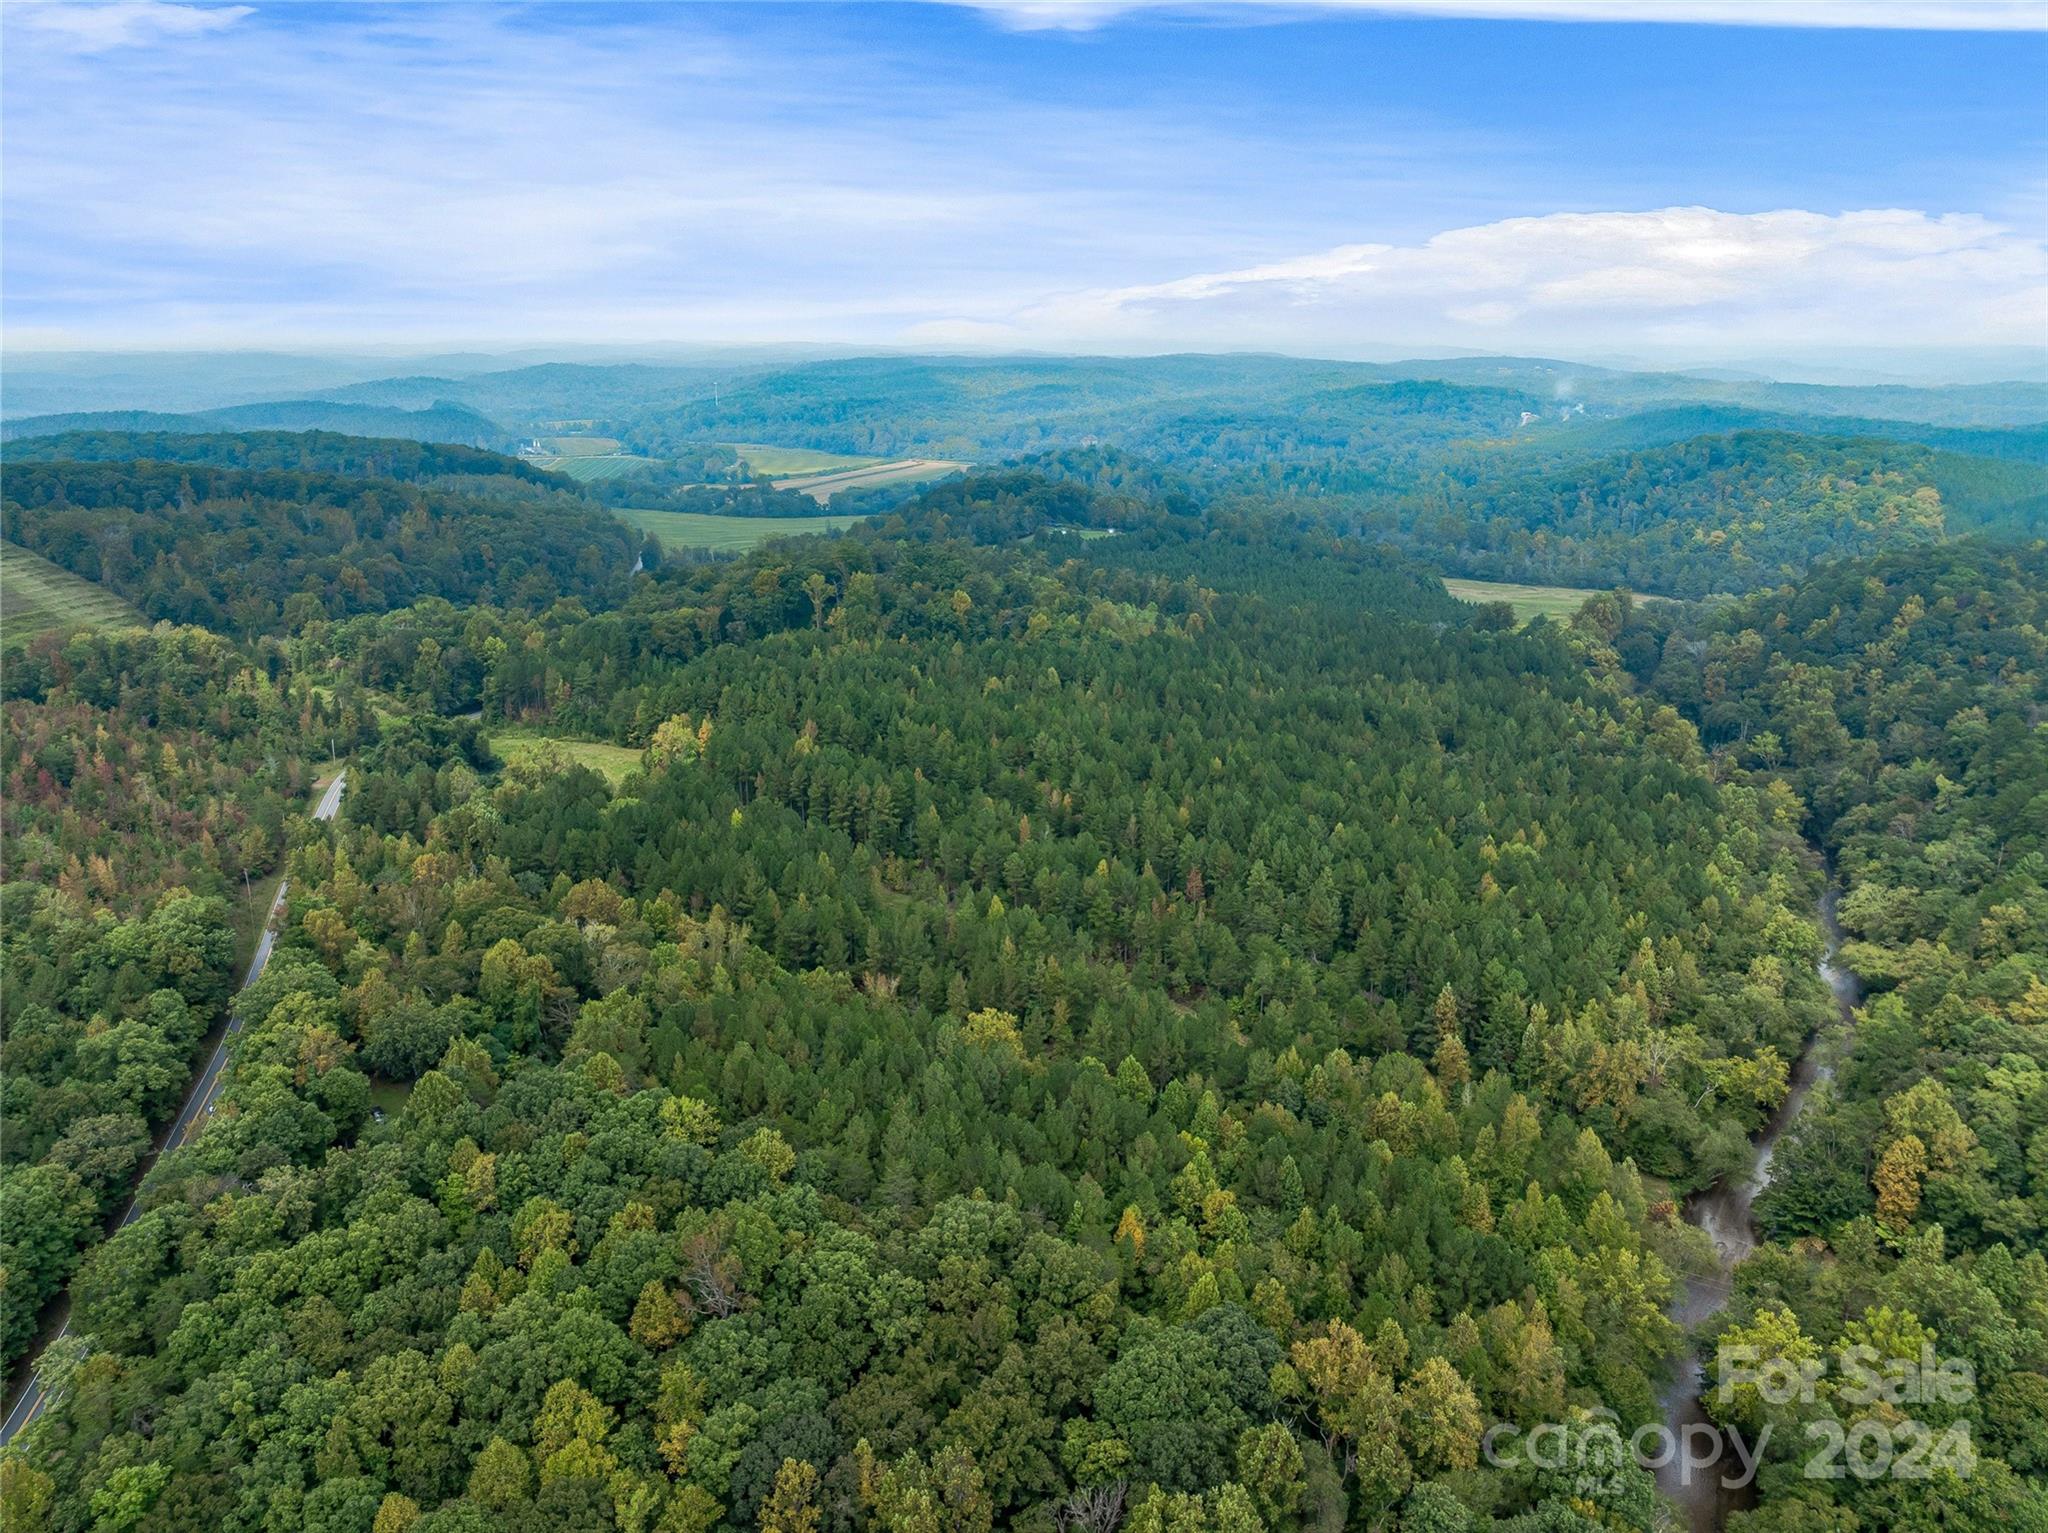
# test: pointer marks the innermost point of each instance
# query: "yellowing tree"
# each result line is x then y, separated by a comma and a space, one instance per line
1897, 1180
1441, 1417
792, 1506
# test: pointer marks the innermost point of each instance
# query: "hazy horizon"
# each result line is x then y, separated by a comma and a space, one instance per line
173, 379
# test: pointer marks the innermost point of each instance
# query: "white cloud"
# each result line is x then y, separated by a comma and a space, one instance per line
1909, 15
94, 28
1872, 277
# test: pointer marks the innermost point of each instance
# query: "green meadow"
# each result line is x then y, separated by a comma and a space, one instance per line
728, 534
36, 595
516, 744
784, 462
1529, 602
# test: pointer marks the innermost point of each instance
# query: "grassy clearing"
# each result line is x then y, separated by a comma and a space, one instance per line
728, 534
390, 1097
789, 461
36, 595
517, 744
586, 469
1554, 602
822, 487
580, 446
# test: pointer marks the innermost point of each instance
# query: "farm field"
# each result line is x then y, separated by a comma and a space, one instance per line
580, 446
822, 487
589, 467
795, 461
36, 595
516, 743
728, 534
1554, 602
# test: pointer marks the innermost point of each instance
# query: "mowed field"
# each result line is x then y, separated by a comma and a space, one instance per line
516, 744
728, 534
790, 462
1554, 602
591, 467
36, 595
579, 446
822, 487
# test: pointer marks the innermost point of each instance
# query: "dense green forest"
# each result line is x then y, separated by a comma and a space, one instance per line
1181, 1028
313, 452
1478, 468
1712, 514
146, 779
439, 422
252, 551
550, 394
671, 490
1901, 699
1507, 468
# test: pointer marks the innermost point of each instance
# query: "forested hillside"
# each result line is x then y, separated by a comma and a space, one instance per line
146, 779
1609, 391
1482, 469
1017, 995
965, 406
874, 767
1655, 428
1713, 514
1107, 1000
1902, 700
260, 551
438, 422
1504, 468
315, 452
550, 391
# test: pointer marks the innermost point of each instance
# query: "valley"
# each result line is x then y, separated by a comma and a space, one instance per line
1024, 766
1446, 957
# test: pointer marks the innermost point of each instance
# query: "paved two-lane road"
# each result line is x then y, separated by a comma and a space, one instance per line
199, 1100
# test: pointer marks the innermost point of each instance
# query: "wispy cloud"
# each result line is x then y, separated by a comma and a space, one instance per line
1690, 274
88, 27
898, 174
482, 169
1907, 15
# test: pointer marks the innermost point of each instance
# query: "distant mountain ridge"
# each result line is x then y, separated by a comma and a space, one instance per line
405, 459
442, 421
1678, 423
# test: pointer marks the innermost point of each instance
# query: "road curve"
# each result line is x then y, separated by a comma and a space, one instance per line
199, 1100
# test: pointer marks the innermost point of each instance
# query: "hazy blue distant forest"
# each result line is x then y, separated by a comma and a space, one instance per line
1096, 993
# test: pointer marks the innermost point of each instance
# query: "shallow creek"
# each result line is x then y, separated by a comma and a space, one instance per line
1723, 1211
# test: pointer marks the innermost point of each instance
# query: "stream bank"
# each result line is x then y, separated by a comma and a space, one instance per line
1724, 1212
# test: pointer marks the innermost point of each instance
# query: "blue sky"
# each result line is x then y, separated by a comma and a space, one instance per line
1099, 174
